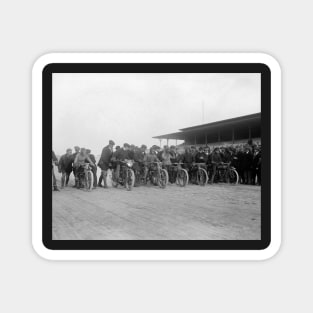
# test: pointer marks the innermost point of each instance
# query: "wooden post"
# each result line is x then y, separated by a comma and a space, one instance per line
233, 134
249, 132
206, 138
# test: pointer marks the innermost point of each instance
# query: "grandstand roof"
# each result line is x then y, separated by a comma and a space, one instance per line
232, 122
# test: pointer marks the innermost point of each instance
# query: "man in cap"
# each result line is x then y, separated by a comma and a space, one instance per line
104, 163
65, 167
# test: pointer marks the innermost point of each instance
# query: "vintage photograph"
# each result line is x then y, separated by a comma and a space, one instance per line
156, 156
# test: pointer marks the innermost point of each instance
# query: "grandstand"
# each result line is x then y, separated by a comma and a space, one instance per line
231, 131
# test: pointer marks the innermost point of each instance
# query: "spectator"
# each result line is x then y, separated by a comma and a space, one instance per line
216, 159
104, 163
247, 160
77, 150
65, 167
256, 167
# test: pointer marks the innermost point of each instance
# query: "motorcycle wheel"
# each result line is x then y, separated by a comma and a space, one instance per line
89, 181
182, 178
202, 177
130, 179
163, 179
233, 176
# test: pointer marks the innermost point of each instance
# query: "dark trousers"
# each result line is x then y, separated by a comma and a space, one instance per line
75, 175
247, 176
94, 173
258, 176
214, 168
103, 176
65, 178
241, 176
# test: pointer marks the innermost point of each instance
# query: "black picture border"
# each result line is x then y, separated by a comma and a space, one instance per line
261, 68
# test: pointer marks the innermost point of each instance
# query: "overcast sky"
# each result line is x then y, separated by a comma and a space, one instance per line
91, 109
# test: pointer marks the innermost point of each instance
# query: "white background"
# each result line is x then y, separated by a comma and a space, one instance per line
32, 28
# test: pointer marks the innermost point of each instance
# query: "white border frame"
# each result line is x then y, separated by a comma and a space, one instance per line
171, 255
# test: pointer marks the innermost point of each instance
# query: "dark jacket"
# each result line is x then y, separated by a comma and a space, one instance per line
188, 158
105, 158
159, 155
122, 155
174, 157
256, 163
216, 157
139, 155
92, 158
201, 157
65, 163
227, 156
247, 160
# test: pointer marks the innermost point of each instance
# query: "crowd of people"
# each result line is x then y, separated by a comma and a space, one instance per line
246, 158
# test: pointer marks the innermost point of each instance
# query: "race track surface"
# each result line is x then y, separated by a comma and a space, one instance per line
217, 212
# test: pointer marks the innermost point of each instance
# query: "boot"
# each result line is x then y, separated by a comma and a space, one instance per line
100, 181
105, 182
55, 188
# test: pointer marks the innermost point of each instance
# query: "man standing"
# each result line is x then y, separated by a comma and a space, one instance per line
216, 159
247, 162
77, 150
104, 163
65, 167
54, 181
256, 167
94, 168
187, 160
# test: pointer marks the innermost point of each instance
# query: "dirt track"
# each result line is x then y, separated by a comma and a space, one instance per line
211, 212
